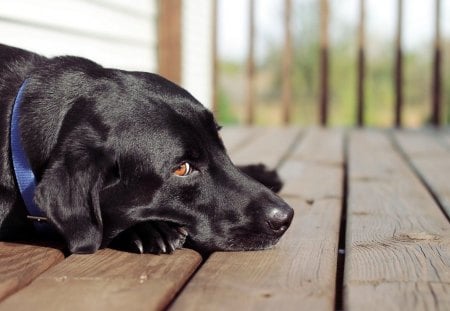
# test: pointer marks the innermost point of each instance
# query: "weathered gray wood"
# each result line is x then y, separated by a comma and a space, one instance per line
444, 134
299, 273
431, 159
398, 240
21, 263
235, 138
401, 296
268, 147
108, 280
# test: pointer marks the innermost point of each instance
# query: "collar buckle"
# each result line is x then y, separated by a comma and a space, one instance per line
37, 218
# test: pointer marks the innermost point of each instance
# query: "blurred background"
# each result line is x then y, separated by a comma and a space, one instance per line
266, 62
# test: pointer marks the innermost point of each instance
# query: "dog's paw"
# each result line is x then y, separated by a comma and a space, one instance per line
155, 237
264, 175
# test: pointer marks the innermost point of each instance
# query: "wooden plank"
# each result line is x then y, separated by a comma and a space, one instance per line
108, 280
444, 135
431, 159
401, 296
299, 272
398, 240
267, 148
235, 137
21, 263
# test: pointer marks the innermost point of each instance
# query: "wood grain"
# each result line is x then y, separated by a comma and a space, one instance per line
20, 264
108, 280
431, 159
398, 240
299, 272
402, 296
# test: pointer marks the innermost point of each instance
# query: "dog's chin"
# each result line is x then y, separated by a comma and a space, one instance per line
232, 245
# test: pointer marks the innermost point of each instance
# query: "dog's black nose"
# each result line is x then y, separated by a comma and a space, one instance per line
279, 218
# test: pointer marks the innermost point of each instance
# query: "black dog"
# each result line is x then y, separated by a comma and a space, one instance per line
127, 157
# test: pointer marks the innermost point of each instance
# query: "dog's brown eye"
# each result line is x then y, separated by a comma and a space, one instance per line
183, 170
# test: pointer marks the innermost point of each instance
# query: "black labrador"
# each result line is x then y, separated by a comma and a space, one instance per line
128, 159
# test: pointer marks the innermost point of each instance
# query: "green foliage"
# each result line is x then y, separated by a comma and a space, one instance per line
230, 67
379, 88
225, 114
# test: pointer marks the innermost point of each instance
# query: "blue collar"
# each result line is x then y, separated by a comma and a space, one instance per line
22, 170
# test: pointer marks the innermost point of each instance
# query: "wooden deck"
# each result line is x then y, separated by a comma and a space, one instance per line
371, 232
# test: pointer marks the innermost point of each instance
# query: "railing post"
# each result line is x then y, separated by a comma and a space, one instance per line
324, 15
250, 100
436, 118
169, 39
399, 66
361, 64
287, 63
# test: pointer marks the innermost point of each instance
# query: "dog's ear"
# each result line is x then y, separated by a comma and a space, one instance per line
264, 175
68, 193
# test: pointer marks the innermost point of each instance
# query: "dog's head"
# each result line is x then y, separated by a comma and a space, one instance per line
135, 147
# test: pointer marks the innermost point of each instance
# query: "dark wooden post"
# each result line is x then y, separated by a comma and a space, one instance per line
399, 66
287, 63
324, 15
436, 118
169, 39
250, 100
361, 63
215, 61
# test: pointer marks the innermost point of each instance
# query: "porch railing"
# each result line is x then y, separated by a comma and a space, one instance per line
436, 117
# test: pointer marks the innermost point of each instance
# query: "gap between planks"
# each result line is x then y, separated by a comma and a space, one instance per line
426, 153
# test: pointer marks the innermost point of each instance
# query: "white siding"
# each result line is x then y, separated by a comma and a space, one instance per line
114, 33
197, 62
